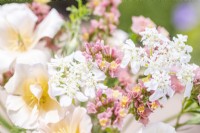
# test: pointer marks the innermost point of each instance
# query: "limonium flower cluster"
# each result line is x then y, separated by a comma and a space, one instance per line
58, 79
106, 19
107, 58
110, 106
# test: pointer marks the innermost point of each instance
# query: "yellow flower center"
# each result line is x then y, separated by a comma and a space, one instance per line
146, 79
122, 113
113, 65
85, 36
116, 94
44, 101
18, 42
124, 101
137, 89
103, 122
96, 3
103, 64
141, 109
154, 105
63, 127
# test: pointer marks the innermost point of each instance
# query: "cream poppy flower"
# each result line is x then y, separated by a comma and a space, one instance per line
75, 121
28, 100
18, 36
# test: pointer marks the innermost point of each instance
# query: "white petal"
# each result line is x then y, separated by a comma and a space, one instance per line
85, 124
6, 59
23, 19
56, 91
36, 90
90, 92
14, 84
98, 74
126, 59
16, 108
65, 101
158, 128
101, 86
52, 116
17, 18
156, 95
130, 43
135, 67
32, 57
80, 120
170, 92
147, 71
79, 56
22, 73
151, 85
49, 26
188, 89
81, 97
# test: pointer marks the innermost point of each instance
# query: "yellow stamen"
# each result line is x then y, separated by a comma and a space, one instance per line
103, 64
154, 105
137, 89
116, 94
141, 109
85, 36
124, 101
96, 3
122, 112
103, 122
113, 65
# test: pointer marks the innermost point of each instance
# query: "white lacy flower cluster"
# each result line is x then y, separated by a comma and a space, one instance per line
74, 78
160, 59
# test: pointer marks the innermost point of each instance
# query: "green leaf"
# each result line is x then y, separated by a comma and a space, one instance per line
111, 82
190, 105
195, 120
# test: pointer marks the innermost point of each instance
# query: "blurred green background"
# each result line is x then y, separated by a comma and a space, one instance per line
162, 12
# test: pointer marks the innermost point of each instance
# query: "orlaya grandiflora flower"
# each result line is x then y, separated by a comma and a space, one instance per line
28, 100
76, 121
18, 36
73, 78
157, 58
133, 55
158, 128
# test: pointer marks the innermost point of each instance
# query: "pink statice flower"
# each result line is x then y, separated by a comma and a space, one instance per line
197, 76
139, 97
163, 31
140, 23
176, 84
124, 77
111, 107
107, 58
91, 108
40, 10
106, 19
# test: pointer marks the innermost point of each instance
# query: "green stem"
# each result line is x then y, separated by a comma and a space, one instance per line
171, 118
4, 123
178, 125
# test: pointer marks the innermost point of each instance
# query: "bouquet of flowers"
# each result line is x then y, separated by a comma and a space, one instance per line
83, 74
